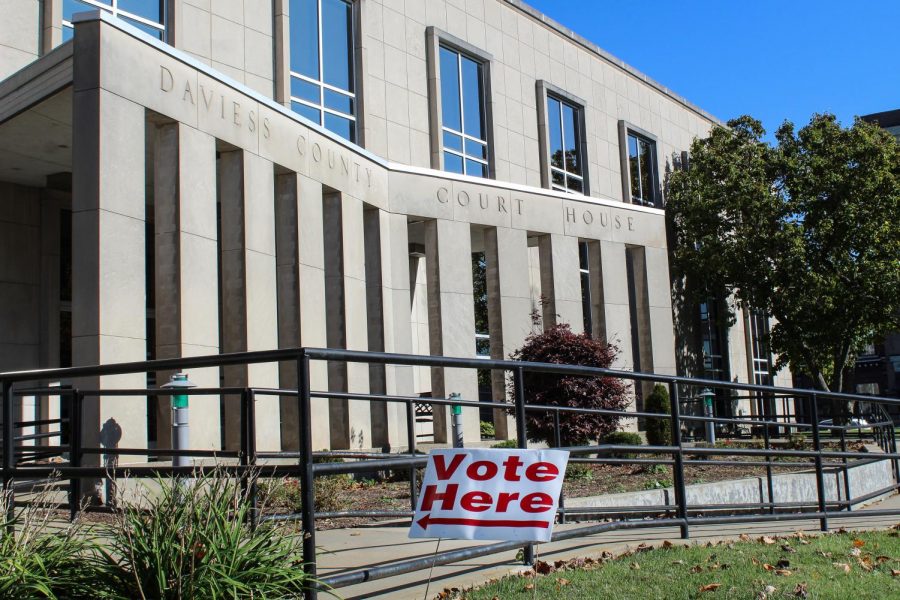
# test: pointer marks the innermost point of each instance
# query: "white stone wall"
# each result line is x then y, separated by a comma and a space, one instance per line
20, 34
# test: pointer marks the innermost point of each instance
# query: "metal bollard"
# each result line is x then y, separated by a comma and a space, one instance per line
457, 422
708, 412
180, 421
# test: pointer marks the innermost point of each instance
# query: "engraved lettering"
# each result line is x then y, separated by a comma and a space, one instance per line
630, 223
618, 222
356, 170
570, 214
222, 106
587, 217
207, 100
331, 159
301, 142
345, 165
369, 175
443, 195
462, 198
166, 81
266, 132
501, 204
519, 206
483, 201
251, 121
316, 152
237, 113
604, 219
188, 92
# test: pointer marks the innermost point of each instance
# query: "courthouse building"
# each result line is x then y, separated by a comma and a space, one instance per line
189, 177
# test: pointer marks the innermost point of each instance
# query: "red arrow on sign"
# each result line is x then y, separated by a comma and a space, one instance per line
427, 520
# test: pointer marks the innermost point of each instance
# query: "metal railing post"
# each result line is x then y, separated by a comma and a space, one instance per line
244, 451
308, 505
678, 457
770, 488
75, 452
557, 443
817, 446
847, 496
522, 438
9, 448
251, 457
411, 444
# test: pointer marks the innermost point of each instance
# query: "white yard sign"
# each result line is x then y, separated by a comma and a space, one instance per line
490, 494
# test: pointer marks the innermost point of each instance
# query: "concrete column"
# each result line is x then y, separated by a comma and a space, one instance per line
249, 317
659, 301
509, 308
390, 330
345, 295
616, 309
560, 281
595, 276
451, 318
282, 35
109, 300
51, 25
301, 298
642, 339
187, 281
49, 406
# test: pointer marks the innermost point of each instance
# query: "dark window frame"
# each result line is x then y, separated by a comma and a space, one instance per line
627, 130
545, 91
160, 28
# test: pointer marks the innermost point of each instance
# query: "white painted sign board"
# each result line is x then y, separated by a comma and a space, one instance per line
490, 494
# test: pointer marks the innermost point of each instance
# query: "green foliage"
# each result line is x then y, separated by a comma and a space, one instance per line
807, 231
194, 541
621, 438
487, 429
659, 430
579, 472
506, 444
44, 562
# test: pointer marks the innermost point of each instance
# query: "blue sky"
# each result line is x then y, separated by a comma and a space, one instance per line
773, 60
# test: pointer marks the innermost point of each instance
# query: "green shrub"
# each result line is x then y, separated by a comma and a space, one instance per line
579, 472
194, 541
487, 429
621, 438
40, 562
506, 444
659, 430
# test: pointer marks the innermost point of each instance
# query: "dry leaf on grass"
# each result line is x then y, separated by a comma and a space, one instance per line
562, 582
635, 566
783, 572
766, 540
787, 548
529, 586
744, 537
800, 591
843, 566
895, 572
855, 552
710, 587
667, 544
858, 543
696, 569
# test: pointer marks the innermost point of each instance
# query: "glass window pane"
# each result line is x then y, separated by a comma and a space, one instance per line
583, 255
70, 7
558, 178
341, 126
67, 33
575, 185
337, 43
304, 23
482, 346
473, 98
556, 143
452, 141
476, 149
309, 112
646, 171
450, 89
453, 163
570, 139
304, 89
144, 27
476, 169
634, 169
149, 9
338, 101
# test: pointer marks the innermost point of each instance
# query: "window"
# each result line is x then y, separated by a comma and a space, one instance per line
640, 180
148, 15
564, 145
584, 269
711, 339
641, 169
322, 78
479, 288
762, 360
463, 117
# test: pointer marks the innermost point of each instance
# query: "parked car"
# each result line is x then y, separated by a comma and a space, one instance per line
858, 423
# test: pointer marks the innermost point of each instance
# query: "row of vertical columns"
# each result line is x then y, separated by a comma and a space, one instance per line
187, 302
249, 307
560, 281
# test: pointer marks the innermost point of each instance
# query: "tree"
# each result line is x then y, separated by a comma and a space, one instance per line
659, 430
561, 345
807, 231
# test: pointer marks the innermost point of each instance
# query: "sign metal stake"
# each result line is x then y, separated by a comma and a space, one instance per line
431, 570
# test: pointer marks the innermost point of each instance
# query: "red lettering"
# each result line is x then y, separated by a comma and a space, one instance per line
537, 502
482, 470
476, 501
542, 471
504, 500
511, 472
446, 498
442, 470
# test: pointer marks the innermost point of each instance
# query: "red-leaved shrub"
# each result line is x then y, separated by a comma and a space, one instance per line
561, 345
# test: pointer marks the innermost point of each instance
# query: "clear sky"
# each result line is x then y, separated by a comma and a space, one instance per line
774, 60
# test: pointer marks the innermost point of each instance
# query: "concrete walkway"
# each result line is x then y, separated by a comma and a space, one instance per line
348, 549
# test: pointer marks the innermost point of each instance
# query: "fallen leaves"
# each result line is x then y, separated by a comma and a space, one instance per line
710, 587
843, 566
766, 540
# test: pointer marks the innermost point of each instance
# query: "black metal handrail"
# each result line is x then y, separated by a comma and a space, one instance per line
248, 461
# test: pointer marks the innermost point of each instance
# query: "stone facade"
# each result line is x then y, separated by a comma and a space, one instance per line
207, 217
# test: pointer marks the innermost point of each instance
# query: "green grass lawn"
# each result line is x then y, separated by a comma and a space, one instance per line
845, 566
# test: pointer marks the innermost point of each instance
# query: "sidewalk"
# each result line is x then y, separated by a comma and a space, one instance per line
349, 549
